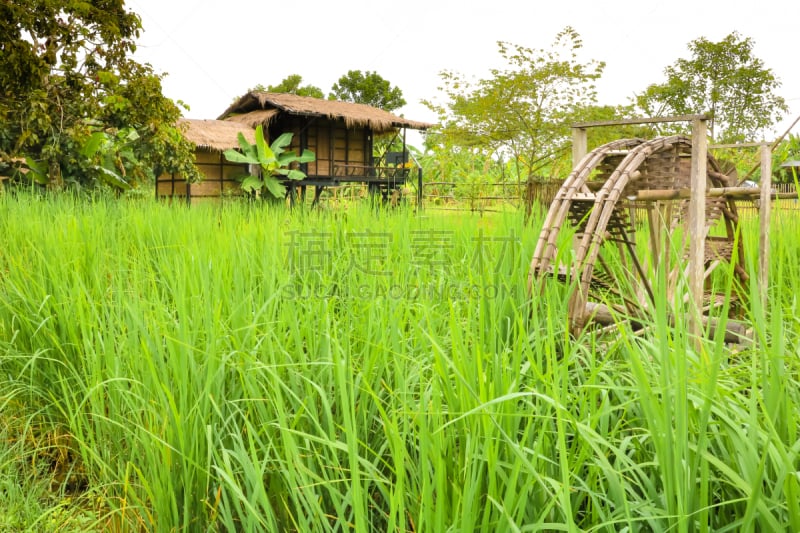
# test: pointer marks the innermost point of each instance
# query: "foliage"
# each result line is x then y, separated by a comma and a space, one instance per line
602, 135
453, 176
521, 113
368, 88
744, 163
725, 80
65, 75
788, 150
273, 161
292, 84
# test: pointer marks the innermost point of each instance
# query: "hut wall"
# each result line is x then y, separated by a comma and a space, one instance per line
171, 185
219, 178
340, 151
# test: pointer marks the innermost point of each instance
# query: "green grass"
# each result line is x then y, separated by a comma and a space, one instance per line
239, 368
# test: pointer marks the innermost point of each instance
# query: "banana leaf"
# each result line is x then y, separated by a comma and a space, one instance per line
275, 187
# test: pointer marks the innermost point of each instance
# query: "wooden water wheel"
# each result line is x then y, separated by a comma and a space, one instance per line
627, 204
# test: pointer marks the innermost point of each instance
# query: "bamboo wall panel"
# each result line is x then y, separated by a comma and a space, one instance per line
220, 177
166, 186
322, 151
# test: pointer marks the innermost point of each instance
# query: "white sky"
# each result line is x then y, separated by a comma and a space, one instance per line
215, 50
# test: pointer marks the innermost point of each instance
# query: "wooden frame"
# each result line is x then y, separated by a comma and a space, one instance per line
627, 173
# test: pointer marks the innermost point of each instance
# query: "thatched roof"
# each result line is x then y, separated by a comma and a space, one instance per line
215, 135
254, 118
353, 115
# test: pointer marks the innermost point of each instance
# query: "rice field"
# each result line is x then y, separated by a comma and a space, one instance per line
241, 368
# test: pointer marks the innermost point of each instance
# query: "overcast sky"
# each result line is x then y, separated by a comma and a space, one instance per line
214, 50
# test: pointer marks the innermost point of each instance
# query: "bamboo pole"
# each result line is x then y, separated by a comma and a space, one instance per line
697, 223
653, 195
765, 209
634, 121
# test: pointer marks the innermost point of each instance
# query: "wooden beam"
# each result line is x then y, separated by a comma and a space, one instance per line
654, 195
697, 224
737, 145
735, 332
765, 209
633, 121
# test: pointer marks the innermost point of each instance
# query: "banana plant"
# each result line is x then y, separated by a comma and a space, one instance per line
274, 161
106, 156
112, 155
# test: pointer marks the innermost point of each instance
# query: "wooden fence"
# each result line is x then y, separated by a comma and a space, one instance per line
457, 196
480, 197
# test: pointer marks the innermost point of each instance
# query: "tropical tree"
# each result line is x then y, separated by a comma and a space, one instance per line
520, 113
66, 80
723, 79
292, 84
368, 88
273, 160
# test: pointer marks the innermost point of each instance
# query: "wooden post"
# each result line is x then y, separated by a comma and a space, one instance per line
580, 145
697, 223
765, 209
419, 188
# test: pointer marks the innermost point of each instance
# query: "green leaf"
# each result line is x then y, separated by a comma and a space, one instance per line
251, 183
243, 144
93, 144
131, 135
282, 142
235, 157
284, 160
275, 187
249, 150
294, 174
38, 171
128, 156
112, 178
108, 161
264, 152
269, 158
307, 157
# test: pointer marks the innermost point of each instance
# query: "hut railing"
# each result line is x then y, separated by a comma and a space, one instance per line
368, 173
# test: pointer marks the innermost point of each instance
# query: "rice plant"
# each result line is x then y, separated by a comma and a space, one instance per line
238, 368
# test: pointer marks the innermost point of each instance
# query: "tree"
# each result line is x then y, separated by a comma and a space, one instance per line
606, 134
368, 88
723, 79
66, 80
521, 113
292, 84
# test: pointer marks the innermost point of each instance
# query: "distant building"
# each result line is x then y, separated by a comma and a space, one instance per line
341, 135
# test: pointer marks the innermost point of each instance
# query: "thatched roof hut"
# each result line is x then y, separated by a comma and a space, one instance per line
341, 135
262, 108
